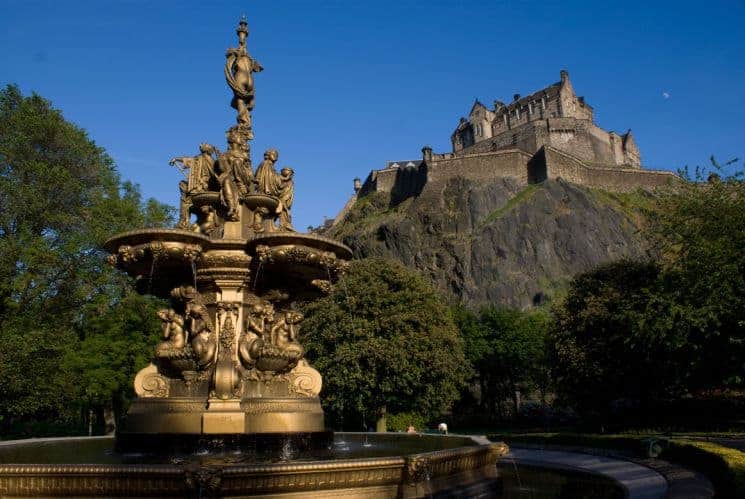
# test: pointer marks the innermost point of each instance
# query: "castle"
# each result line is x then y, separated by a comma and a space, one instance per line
548, 134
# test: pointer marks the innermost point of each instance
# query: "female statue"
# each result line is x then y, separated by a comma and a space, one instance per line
239, 69
266, 178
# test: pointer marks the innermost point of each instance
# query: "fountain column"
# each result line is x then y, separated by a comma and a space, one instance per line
223, 414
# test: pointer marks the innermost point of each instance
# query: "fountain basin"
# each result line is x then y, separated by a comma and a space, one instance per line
358, 466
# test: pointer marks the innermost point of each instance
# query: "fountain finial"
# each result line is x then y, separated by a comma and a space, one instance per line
239, 69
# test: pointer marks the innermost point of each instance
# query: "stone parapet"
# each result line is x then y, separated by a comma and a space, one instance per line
558, 164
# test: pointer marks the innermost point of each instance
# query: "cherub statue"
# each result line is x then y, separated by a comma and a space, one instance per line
259, 316
203, 340
174, 335
208, 223
284, 330
286, 194
252, 341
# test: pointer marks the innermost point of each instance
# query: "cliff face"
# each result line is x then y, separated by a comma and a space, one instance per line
497, 242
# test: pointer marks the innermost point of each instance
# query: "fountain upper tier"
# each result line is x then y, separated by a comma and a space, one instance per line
162, 259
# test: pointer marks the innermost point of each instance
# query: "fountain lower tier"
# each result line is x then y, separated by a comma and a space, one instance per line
358, 465
231, 360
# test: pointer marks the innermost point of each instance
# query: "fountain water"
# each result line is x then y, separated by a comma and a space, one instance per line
229, 400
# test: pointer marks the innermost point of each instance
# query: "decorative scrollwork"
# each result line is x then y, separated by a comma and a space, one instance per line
418, 469
128, 254
225, 259
150, 383
157, 249
192, 252
228, 315
303, 380
203, 479
264, 253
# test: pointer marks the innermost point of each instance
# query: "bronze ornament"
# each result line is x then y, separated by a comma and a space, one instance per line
230, 362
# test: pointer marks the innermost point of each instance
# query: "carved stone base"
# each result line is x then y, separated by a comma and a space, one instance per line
283, 415
197, 416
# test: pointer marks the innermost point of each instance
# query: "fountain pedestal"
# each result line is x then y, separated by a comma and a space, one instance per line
231, 362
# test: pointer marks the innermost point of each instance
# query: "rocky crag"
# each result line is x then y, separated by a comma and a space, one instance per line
498, 241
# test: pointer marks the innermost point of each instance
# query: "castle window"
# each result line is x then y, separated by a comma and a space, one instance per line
514, 139
517, 113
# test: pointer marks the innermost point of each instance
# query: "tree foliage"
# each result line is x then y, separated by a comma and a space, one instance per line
701, 232
60, 198
644, 333
507, 349
619, 336
384, 338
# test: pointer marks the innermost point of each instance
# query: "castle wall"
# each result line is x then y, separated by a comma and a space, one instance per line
480, 166
528, 137
571, 134
379, 181
561, 165
600, 140
400, 182
386, 179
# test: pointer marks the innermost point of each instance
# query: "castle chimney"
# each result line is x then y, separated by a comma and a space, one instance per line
357, 185
564, 75
516, 97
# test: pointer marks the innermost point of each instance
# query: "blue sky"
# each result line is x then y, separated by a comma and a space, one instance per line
348, 85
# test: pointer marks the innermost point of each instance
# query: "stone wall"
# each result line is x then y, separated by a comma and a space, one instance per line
379, 181
580, 138
400, 182
480, 166
557, 164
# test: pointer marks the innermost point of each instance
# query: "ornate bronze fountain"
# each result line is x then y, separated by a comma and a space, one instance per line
231, 365
230, 361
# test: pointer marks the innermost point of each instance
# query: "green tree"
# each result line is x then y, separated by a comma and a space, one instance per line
645, 333
384, 340
700, 228
508, 351
619, 336
60, 198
